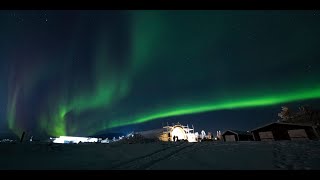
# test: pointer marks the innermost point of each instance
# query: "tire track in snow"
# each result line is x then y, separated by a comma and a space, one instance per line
149, 160
122, 164
168, 156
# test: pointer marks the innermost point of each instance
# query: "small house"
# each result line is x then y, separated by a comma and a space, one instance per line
235, 135
285, 131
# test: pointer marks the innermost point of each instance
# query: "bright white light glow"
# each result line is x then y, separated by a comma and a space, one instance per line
70, 139
192, 137
178, 131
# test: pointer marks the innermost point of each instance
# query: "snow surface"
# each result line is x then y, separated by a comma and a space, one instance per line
162, 156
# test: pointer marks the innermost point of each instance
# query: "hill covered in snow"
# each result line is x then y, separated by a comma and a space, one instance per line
162, 155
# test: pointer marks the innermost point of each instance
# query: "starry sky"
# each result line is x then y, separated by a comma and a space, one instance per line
84, 72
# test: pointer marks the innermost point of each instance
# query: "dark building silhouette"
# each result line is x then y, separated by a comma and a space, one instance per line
285, 131
235, 135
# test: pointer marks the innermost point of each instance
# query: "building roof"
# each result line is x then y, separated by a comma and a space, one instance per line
294, 124
238, 132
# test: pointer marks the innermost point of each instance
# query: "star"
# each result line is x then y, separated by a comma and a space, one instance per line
309, 68
188, 60
20, 20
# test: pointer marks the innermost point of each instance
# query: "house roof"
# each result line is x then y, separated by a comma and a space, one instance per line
238, 132
303, 125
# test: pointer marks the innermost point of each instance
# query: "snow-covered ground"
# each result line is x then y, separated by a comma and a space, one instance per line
162, 155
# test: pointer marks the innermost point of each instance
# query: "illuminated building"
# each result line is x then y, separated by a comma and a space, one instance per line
179, 131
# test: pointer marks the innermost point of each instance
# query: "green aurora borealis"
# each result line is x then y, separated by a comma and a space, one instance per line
228, 104
88, 71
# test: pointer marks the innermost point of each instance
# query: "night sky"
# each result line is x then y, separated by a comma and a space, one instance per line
83, 72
